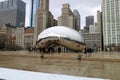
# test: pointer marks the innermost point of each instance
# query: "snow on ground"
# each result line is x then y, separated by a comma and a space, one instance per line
12, 74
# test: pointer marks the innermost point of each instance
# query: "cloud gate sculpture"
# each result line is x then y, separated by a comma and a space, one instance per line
60, 35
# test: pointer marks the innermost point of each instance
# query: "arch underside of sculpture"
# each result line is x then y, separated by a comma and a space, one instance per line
65, 42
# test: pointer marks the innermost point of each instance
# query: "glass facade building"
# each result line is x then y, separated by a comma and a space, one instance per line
76, 13
89, 21
12, 12
34, 6
111, 22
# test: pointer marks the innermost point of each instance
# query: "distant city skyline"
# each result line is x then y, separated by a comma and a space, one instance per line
89, 21
85, 8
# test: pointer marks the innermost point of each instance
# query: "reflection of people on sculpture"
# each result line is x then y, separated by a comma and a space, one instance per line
59, 50
61, 36
51, 50
46, 49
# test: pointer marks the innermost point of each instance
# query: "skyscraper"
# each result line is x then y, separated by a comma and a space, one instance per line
99, 22
43, 19
111, 22
77, 15
67, 17
89, 21
34, 6
44, 5
12, 12
99, 27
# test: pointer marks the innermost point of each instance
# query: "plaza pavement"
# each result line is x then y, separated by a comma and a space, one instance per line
99, 56
96, 65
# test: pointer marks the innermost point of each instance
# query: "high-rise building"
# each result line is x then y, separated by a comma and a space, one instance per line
93, 40
12, 12
67, 17
99, 27
89, 21
99, 22
44, 5
111, 22
93, 28
43, 19
77, 15
34, 6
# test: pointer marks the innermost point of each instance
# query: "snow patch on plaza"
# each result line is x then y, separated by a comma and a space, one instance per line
12, 74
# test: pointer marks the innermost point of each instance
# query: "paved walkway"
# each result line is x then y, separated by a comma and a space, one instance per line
99, 56
96, 65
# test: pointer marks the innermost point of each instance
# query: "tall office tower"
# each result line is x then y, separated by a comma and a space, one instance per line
34, 6
12, 12
77, 15
44, 19
99, 27
44, 5
99, 22
67, 17
89, 21
111, 22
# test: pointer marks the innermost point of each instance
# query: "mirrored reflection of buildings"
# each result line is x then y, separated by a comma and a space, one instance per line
12, 12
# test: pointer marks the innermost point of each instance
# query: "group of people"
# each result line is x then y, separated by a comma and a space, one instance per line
88, 50
54, 49
44, 49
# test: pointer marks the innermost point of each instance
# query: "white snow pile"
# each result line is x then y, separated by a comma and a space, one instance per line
12, 74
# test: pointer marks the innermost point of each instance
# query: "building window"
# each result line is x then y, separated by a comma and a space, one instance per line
12, 3
1, 4
8, 4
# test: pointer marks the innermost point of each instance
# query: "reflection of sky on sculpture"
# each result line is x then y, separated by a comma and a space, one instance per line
11, 74
61, 31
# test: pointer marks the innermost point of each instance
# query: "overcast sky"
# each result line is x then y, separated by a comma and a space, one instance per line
85, 8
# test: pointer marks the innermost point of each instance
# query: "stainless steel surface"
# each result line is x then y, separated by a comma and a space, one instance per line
60, 35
